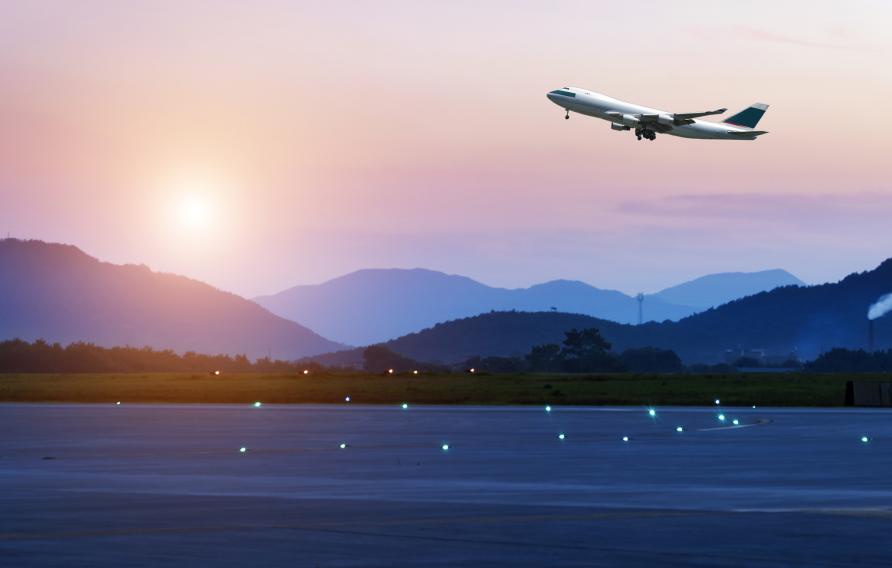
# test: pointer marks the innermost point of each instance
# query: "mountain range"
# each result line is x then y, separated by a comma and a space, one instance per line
791, 321
375, 305
58, 293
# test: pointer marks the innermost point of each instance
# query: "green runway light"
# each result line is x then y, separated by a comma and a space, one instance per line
405, 406
721, 417
652, 412
735, 422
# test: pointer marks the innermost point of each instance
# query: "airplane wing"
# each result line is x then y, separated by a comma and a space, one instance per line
678, 118
686, 115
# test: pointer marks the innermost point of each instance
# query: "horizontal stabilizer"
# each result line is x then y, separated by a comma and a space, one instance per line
747, 133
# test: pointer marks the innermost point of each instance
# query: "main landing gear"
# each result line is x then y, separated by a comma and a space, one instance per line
645, 133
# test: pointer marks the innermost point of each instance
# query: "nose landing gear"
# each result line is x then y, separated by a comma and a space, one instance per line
567, 116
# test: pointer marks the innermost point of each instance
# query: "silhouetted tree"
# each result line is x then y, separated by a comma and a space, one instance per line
651, 360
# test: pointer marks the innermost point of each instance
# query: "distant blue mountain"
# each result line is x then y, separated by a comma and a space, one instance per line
717, 289
375, 305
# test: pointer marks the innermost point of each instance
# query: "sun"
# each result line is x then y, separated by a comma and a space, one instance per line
194, 211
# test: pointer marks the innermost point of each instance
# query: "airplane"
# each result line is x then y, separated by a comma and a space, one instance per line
647, 122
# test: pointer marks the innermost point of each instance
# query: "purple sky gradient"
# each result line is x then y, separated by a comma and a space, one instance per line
329, 137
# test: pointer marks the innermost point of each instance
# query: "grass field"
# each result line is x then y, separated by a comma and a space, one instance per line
768, 389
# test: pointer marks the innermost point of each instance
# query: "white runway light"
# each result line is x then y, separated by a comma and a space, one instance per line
258, 404
652, 412
865, 439
717, 402
243, 449
626, 438
343, 445
735, 422
721, 417
679, 429
404, 406
561, 436
118, 403
547, 408
445, 447
346, 399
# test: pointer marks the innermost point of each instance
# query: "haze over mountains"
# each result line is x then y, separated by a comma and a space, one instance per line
802, 321
58, 293
375, 305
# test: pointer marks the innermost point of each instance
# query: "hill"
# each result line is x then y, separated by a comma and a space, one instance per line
59, 293
370, 306
717, 289
792, 320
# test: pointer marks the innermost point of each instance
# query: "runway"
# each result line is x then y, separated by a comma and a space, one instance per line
167, 485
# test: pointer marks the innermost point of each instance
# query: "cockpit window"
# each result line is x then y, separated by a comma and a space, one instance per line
563, 92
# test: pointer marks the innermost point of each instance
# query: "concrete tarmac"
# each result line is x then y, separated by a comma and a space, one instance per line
167, 485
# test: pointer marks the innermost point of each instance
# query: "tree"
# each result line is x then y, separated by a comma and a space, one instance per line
587, 351
651, 360
545, 357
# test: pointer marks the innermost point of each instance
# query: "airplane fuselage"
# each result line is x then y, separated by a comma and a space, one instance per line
622, 115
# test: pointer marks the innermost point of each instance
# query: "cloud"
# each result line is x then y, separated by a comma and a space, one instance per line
773, 37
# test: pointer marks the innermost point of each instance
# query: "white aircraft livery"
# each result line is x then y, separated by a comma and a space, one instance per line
647, 122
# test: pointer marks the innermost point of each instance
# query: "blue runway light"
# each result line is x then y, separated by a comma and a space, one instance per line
445, 447
754, 406
735, 422
652, 412
679, 429
547, 408
343, 445
626, 438
721, 417
865, 439
561, 436
405, 406
717, 402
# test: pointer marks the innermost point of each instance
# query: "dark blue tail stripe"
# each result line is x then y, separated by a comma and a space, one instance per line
748, 117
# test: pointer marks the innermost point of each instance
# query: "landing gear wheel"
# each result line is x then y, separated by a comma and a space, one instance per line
567, 116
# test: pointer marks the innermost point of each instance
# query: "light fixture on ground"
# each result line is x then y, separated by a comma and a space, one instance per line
415, 372
721, 417
735, 422
346, 399
343, 445
651, 412
561, 436
445, 447
404, 406
390, 371
626, 438
258, 404
243, 449
306, 371
717, 402
679, 429
547, 408
865, 439
118, 403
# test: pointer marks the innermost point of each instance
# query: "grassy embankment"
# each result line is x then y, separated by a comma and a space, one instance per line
766, 389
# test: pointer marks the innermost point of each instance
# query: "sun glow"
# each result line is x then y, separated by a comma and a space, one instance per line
194, 211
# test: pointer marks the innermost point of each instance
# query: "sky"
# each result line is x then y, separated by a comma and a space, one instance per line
260, 145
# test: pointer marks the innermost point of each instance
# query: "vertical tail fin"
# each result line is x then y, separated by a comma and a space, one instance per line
748, 117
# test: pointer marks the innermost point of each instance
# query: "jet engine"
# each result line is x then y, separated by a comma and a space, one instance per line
616, 126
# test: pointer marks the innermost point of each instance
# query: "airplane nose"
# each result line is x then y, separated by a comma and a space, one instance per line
551, 97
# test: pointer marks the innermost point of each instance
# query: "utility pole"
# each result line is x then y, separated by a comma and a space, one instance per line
640, 298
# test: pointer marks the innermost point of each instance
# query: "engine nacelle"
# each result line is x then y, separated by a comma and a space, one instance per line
629, 120
616, 126
666, 119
